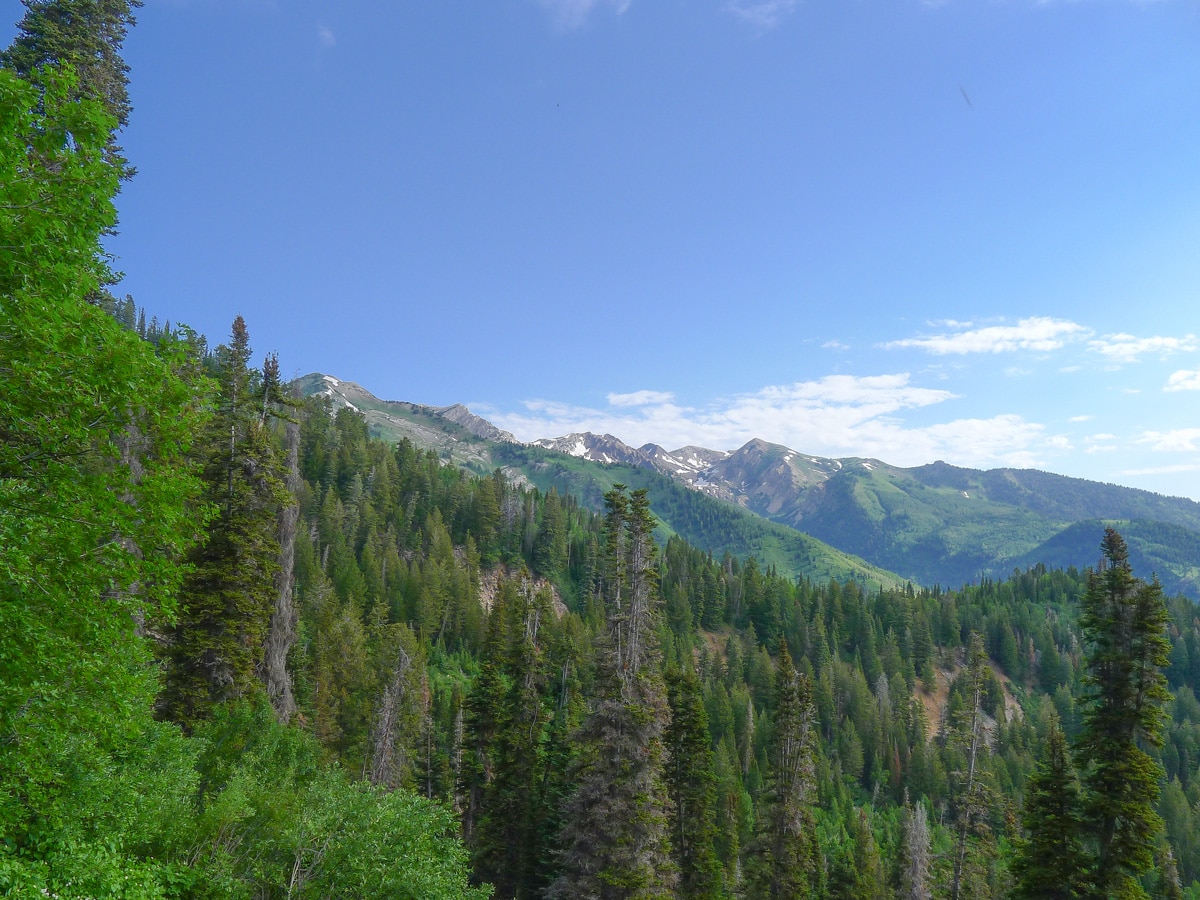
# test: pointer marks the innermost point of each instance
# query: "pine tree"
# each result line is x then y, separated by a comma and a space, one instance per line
614, 843
507, 837
1052, 862
692, 787
482, 710
228, 598
86, 35
1124, 621
973, 794
782, 863
858, 872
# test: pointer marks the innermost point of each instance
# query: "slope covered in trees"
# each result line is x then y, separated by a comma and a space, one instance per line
251, 651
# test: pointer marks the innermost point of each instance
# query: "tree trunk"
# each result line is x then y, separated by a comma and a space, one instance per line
282, 633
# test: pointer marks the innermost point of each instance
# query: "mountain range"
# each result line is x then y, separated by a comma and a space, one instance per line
819, 517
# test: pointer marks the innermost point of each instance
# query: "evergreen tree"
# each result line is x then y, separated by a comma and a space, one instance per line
614, 843
1052, 863
86, 35
857, 873
1124, 621
692, 788
782, 863
974, 797
483, 709
229, 596
507, 838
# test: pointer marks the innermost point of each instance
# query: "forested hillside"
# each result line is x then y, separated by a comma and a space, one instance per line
857, 518
248, 650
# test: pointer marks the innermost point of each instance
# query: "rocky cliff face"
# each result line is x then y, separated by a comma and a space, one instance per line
477, 425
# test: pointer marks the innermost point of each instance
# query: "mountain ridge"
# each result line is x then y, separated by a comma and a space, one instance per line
933, 524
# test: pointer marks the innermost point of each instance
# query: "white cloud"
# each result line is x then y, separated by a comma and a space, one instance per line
834, 345
763, 14
325, 36
1183, 380
1060, 442
1179, 440
1164, 470
1099, 443
838, 415
1038, 333
1080, 419
568, 14
641, 398
1125, 348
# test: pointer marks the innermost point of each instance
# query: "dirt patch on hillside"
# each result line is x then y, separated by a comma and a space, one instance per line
935, 698
489, 583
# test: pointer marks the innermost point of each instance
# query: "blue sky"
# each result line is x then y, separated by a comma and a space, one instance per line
962, 230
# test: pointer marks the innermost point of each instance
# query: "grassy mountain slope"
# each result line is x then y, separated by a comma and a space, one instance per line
1167, 551
943, 524
702, 521
929, 534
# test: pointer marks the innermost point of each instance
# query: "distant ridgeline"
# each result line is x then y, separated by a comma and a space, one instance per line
880, 524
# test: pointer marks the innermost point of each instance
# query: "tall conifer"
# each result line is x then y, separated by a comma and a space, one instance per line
1052, 863
86, 35
692, 786
614, 843
784, 859
228, 598
507, 837
1124, 620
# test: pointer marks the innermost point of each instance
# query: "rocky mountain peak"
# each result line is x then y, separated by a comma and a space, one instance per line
477, 425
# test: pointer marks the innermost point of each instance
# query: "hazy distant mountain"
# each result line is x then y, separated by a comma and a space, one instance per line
933, 524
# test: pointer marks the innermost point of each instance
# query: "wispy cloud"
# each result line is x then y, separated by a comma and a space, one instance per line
1080, 419
641, 398
570, 14
835, 345
1099, 443
838, 415
1125, 348
1037, 333
1178, 440
763, 14
325, 36
1183, 380
1164, 470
